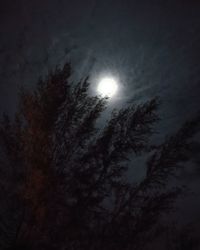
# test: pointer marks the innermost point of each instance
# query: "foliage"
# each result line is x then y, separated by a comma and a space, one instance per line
63, 182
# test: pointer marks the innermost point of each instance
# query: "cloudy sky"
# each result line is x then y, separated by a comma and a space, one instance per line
151, 46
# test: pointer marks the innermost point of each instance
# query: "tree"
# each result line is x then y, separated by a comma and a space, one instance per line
63, 181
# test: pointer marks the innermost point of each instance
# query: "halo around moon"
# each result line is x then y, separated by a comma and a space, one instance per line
107, 87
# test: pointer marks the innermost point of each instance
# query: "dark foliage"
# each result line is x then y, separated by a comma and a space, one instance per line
63, 182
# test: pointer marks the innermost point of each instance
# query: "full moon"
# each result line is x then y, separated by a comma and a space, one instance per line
107, 86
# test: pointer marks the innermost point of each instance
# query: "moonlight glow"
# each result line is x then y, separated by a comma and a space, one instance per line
107, 87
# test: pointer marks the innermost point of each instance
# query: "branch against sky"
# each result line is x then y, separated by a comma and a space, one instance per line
67, 179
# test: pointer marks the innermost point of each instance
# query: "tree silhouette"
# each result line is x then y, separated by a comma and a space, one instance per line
64, 182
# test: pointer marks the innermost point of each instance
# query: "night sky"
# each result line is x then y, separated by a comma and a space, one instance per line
153, 47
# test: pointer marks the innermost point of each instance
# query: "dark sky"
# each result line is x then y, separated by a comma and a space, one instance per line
152, 46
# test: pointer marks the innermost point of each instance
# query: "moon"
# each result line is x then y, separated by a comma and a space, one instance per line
107, 87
